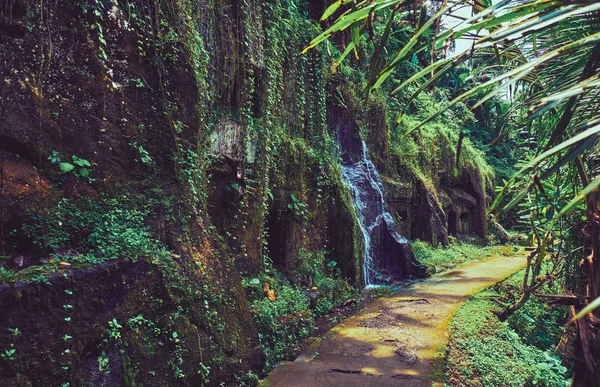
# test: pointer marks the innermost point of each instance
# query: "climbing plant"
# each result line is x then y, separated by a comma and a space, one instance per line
545, 54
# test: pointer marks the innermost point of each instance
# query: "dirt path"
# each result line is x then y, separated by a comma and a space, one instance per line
395, 341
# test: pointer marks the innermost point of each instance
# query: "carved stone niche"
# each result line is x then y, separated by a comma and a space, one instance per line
230, 141
460, 212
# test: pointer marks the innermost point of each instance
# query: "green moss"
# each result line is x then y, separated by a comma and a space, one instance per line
414, 152
438, 259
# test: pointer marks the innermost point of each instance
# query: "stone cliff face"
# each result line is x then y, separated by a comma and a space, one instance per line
204, 115
204, 136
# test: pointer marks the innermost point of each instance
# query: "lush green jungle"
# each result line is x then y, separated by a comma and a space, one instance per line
192, 192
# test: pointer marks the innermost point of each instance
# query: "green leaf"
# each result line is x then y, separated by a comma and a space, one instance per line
588, 309
254, 282
66, 167
388, 70
518, 73
593, 186
84, 172
347, 20
81, 162
347, 51
333, 7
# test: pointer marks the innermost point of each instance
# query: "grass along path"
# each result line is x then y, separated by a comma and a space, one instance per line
485, 352
398, 340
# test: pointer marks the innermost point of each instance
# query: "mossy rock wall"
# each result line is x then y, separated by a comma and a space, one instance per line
201, 112
201, 115
66, 328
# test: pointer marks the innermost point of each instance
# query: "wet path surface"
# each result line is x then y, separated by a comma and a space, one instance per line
396, 340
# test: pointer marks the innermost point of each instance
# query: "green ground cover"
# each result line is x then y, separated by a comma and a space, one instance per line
440, 258
483, 351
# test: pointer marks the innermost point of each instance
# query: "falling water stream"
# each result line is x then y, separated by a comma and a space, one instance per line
386, 251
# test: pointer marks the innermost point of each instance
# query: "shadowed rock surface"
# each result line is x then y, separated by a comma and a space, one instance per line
388, 256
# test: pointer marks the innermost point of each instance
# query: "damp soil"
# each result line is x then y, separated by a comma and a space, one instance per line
396, 340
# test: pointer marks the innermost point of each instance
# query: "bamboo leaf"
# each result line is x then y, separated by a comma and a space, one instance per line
427, 70
518, 72
553, 100
347, 20
589, 137
593, 130
347, 51
333, 7
588, 309
543, 21
593, 186
387, 71
570, 156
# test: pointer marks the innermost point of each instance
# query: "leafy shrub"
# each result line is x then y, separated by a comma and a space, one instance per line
331, 293
311, 266
537, 324
331, 290
93, 230
7, 275
281, 324
440, 258
284, 322
486, 352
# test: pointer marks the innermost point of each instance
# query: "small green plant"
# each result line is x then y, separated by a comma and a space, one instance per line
203, 371
297, 207
138, 82
79, 167
178, 372
7, 275
144, 155
114, 330
103, 363
174, 338
9, 354
98, 228
139, 321
247, 379
178, 126
14, 331
232, 186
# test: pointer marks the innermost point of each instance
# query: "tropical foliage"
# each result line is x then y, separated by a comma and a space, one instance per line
534, 62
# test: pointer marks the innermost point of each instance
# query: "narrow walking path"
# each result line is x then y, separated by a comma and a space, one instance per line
394, 341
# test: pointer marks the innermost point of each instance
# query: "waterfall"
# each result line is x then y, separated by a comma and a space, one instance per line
387, 253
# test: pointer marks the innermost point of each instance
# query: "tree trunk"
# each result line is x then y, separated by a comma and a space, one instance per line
587, 350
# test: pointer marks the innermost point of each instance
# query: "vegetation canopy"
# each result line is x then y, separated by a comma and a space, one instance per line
536, 64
